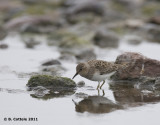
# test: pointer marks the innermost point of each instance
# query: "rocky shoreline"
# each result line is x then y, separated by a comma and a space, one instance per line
79, 30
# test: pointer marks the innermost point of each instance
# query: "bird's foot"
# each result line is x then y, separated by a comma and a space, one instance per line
103, 93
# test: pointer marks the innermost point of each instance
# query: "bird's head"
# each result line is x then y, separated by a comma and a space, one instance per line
81, 69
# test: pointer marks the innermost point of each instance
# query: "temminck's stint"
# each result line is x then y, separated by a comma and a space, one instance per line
98, 70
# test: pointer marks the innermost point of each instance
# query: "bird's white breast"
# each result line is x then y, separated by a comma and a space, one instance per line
98, 77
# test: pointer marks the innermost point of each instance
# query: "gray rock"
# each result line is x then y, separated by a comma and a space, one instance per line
3, 46
67, 57
150, 32
31, 1
38, 24
106, 39
80, 84
31, 43
86, 55
51, 62
134, 40
84, 7
55, 70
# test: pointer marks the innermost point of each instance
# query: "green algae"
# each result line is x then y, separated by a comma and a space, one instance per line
50, 81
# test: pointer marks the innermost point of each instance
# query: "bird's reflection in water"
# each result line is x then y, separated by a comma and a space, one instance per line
96, 104
126, 96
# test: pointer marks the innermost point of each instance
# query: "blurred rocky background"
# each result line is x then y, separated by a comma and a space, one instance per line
75, 23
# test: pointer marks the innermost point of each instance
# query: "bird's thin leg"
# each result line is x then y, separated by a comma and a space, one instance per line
98, 85
102, 84
103, 92
98, 92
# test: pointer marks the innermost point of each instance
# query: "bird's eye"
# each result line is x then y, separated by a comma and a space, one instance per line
81, 69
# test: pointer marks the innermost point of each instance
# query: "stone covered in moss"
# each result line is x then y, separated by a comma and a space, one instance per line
51, 82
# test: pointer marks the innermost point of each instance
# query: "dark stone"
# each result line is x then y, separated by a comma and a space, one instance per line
155, 20
137, 66
67, 57
54, 70
153, 34
150, 32
86, 55
134, 40
31, 1
80, 84
31, 43
84, 7
106, 39
3, 46
51, 62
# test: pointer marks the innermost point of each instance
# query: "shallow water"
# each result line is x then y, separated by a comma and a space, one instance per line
16, 102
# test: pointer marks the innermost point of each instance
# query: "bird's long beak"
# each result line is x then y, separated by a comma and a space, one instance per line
75, 75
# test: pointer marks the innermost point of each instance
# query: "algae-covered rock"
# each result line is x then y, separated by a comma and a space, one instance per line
47, 87
52, 82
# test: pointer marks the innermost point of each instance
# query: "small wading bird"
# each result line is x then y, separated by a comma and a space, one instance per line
98, 70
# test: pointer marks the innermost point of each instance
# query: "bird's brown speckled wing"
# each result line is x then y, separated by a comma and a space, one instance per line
104, 67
